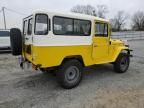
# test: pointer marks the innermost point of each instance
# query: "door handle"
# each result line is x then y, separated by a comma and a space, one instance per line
110, 42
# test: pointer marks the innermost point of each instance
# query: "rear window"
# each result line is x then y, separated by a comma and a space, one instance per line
4, 33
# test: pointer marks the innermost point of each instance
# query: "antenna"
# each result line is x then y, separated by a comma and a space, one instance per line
3, 9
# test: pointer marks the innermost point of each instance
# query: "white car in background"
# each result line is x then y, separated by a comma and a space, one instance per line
4, 39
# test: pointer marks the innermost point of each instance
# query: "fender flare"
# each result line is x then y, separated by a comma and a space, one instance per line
78, 57
122, 49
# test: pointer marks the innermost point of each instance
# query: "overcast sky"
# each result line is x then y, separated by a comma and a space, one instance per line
28, 6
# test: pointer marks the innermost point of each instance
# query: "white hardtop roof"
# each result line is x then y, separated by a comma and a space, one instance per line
71, 14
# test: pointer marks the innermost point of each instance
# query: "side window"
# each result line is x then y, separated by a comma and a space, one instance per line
71, 26
30, 26
82, 27
101, 29
63, 26
25, 27
41, 24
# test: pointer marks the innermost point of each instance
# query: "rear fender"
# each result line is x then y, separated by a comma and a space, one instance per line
78, 57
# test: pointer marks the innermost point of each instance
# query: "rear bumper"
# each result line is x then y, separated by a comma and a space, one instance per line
25, 64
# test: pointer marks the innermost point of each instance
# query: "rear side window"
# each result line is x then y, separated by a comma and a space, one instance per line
41, 24
101, 29
4, 34
71, 26
63, 26
30, 26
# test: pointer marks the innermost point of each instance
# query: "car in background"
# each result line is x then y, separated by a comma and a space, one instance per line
4, 39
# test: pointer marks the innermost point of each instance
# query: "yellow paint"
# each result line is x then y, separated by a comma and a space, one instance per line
53, 56
116, 48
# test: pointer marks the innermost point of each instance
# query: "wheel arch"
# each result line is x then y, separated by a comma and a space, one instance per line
121, 50
77, 57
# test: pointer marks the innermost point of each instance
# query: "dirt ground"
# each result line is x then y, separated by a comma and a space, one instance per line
100, 88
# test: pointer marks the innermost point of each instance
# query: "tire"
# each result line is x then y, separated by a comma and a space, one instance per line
121, 65
16, 41
70, 74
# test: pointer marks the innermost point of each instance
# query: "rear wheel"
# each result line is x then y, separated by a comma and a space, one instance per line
70, 74
121, 65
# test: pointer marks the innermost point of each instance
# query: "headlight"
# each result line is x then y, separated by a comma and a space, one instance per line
125, 42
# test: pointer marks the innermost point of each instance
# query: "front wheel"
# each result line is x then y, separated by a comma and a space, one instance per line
121, 65
70, 74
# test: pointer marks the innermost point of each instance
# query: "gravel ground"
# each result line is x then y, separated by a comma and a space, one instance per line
100, 88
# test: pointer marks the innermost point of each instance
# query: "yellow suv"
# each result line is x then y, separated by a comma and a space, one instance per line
67, 43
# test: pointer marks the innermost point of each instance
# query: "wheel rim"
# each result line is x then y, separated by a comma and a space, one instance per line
124, 63
72, 74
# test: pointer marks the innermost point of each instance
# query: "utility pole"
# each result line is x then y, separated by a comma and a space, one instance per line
4, 16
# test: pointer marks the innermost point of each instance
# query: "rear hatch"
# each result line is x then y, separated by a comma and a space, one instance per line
27, 38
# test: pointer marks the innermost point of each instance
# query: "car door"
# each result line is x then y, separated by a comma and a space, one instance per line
29, 33
100, 42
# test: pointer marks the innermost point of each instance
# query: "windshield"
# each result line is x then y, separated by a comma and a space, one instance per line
4, 34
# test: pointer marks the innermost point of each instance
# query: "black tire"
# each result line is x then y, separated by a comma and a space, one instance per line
121, 65
70, 74
16, 41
